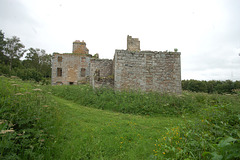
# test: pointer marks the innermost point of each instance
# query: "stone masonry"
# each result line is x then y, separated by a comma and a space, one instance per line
69, 68
147, 71
130, 69
133, 44
80, 47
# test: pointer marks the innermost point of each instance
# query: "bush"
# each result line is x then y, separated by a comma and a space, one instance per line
29, 74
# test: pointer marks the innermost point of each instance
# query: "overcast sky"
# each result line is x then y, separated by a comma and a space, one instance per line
206, 32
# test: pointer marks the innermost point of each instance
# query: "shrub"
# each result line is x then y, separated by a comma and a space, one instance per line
27, 121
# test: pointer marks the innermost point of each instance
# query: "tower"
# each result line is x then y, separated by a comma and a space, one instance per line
80, 47
133, 44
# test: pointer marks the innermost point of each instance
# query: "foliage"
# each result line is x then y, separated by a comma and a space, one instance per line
38, 60
14, 49
219, 87
2, 45
187, 126
29, 74
207, 126
36, 65
27, 120
138, 102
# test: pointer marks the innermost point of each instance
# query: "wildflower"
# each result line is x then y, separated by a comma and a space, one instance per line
13, 77
121, 142
6, 131
163, 153
2, 121
19, 94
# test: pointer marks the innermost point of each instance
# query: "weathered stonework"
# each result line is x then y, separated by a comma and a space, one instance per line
130, 69
80, 47
101, 72
72, 66
147, 71
103, 65
133, 44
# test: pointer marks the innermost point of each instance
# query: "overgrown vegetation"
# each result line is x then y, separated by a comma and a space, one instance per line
151, 103
209, 127
37, 125
27, 120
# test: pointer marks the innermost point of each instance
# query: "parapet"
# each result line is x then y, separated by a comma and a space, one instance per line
133, 44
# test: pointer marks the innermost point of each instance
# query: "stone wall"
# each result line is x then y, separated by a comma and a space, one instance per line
133, 44
101, 69
147, 71
72, 66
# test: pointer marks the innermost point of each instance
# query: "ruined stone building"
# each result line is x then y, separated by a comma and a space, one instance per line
130, 69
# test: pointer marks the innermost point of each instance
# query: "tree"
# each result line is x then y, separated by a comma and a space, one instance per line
14, 49
45, 65
33, 58
39, 60
3, 59
2, 42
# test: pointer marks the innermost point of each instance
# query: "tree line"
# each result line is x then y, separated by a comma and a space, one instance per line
212, 86
36, 64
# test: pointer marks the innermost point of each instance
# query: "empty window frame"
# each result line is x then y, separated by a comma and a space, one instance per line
59, 59
83, 72
83, 59
59, 72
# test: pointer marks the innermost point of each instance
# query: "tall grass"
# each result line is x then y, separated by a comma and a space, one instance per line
133, 102
210, 127
36, 125
27, 120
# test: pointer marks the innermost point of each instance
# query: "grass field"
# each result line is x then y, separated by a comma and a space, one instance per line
77, 122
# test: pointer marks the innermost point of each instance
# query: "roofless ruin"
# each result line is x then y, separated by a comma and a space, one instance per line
130, 69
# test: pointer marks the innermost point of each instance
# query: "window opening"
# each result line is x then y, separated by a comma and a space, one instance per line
59, 59
83, 72
59, 72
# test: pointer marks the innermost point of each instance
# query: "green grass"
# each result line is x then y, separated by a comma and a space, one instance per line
77, 122
97, 134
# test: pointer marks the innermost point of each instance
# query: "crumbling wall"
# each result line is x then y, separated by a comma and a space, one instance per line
133, 44
71, 66
101, 72
147, 71
80, 47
